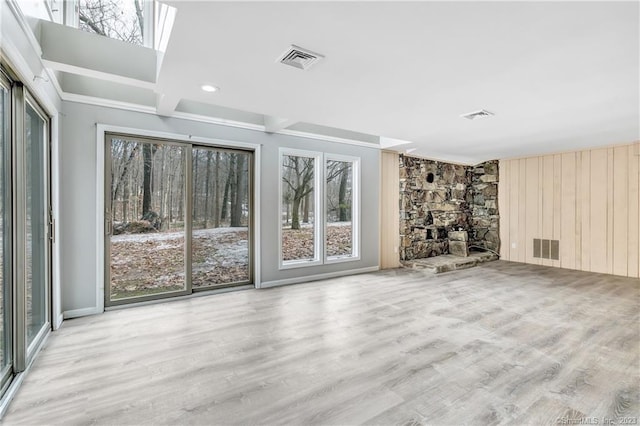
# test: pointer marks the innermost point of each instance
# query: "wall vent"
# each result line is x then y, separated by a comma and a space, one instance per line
299, 57
546, 249
477, 114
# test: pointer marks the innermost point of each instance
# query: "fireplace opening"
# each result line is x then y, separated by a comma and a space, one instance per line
430, 177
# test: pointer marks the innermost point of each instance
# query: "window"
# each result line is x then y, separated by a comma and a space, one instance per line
318, 208
341, 215
125, 20
300, 198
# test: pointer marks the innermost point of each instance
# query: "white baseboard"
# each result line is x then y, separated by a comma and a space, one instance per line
298, 280
75, 313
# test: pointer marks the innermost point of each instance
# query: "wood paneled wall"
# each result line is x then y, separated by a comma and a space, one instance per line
389, 210
589, 200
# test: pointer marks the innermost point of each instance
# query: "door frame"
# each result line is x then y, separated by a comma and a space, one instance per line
101, 131
47, 220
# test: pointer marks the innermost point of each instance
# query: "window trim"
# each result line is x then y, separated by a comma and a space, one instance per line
318, 208
320, 215
355, 209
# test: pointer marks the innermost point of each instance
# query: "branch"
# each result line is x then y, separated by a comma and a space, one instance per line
288, 182
140, 19
91, 24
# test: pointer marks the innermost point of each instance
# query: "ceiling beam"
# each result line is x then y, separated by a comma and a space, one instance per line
166, 104
87, 72
76, 51
275, 124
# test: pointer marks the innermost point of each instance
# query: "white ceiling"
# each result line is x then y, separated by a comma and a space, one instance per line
558, 75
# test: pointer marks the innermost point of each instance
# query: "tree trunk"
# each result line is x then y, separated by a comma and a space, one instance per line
288, 209
146, 184
342, 195
236, 211
295, 212
140, 17
163, 196
216, 193
305, 215
194, 190
227, 188
125, 204
181, 193
207, 177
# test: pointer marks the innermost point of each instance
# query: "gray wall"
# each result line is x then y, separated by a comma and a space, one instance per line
78, 181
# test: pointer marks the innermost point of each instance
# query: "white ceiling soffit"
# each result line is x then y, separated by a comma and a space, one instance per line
388, 143
557, 75
96, 88
71, 50
275, 124
334, 132
199, 108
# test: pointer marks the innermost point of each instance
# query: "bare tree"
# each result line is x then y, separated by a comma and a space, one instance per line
338, 189
298, 176
148, 151
108, 18
238, 193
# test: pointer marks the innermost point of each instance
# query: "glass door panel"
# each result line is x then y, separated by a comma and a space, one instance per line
36, 243
5, 240
221, 217
146, 218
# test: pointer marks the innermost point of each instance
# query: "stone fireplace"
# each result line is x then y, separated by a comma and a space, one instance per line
437, 198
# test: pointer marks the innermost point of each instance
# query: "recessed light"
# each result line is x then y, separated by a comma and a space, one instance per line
209, 88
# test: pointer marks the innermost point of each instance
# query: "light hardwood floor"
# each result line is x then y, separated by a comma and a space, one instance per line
502, 343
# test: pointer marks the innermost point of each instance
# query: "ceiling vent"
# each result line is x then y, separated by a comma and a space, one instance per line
299, 57
477, 114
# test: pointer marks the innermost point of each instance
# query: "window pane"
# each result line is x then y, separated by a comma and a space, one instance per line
148, 214
118, 19
36, 238
339, 204
298, 208
220, 238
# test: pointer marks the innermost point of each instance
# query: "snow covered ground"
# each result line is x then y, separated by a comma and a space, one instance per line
143, 264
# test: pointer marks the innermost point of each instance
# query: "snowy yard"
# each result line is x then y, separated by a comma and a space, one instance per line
143, 264
152, 263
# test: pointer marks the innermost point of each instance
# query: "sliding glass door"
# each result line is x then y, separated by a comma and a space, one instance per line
177, 218
146, 218
220, 226
6, 305
36, 217
25, 227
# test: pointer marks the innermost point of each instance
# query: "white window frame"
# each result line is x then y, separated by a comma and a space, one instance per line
319, 213
355, 209
318, 208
